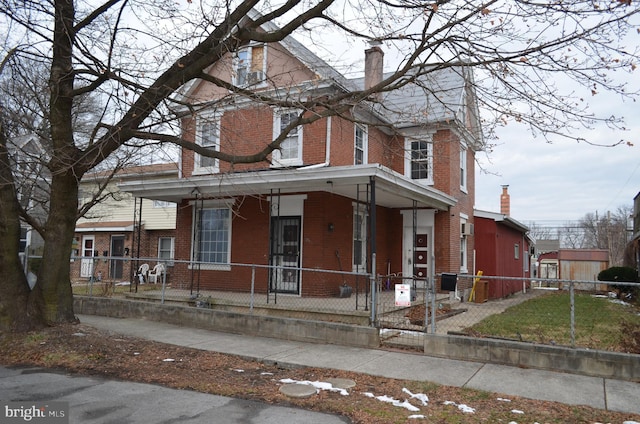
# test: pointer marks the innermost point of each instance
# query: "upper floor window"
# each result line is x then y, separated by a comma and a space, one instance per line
163, 204
419, 160
249, 66
208, 136
463, 168
360, 145
516, 251
290, 152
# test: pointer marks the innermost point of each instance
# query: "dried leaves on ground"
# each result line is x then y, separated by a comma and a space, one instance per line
82, 349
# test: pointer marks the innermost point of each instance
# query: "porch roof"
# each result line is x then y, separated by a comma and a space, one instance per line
393, 190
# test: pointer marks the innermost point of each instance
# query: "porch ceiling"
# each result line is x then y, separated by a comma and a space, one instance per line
393, 190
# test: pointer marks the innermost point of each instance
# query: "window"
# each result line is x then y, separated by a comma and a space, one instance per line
208, 136
166, 250
463, 246
163, 204
290, 152
213, 235
360, 145
463, 168
249, 66
359, 238
516, 251
419, 162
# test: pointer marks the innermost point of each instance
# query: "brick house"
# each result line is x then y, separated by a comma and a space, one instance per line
391, 180
122, 227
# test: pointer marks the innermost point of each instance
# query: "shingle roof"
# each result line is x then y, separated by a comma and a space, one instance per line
434, 97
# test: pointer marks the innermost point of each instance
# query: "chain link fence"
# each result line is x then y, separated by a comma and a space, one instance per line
302, 293
587, 314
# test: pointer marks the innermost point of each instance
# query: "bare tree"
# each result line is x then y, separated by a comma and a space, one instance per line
137, 57
607, 231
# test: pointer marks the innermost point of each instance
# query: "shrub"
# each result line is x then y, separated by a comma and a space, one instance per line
622, 274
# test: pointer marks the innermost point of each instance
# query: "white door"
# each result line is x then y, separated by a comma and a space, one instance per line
417, 243
88, 249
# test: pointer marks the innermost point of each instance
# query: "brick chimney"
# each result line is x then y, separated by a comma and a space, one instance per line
373, 64
505, 201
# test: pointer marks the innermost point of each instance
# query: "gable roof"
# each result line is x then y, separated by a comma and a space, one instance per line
436, 96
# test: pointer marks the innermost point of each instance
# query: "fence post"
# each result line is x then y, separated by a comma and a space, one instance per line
374, 277
164, 282
253, 286
573, 314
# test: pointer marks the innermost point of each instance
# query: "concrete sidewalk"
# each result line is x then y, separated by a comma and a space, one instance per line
614, 395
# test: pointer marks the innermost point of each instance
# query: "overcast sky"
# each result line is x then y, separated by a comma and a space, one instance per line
565, 180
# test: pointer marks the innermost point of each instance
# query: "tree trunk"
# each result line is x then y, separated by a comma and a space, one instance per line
54, 283
18, 307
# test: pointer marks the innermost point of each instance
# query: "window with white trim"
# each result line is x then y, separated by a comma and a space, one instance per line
463, 246
166, 246
463, 168
359, 261
516, 251
419, 159
163, 204
360, 145
213, 235
249, 66
207, 135
290, 151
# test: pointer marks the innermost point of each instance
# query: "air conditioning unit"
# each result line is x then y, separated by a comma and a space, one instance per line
255, 77
466, 229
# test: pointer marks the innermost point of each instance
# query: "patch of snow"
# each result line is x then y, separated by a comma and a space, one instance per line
630, 422
392, 401
266, 373
136, 353
503, 400
420, 396
319, 385
517, 411
79, 334
416, 417
462, 407
619, 302
168, 360
239, 370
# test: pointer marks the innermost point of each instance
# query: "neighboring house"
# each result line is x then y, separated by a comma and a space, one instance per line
32, 179
122, 227
313, 205
502, 248
546, 265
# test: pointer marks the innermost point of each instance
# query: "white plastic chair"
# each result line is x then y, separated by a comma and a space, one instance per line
142, 272
155, 275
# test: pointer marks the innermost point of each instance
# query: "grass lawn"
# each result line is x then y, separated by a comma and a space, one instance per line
546, 319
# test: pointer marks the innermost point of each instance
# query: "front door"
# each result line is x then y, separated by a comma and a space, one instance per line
417, 242
88, 249
285, 255
117, 251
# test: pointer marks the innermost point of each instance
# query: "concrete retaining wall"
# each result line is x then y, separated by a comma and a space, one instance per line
230, 322
527, 355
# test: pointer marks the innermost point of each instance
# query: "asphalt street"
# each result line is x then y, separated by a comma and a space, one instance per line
94, 400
